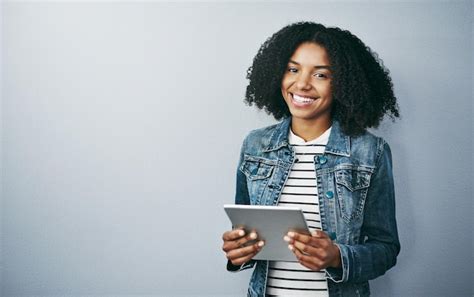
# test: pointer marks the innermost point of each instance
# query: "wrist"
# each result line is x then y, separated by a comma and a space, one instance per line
336, 263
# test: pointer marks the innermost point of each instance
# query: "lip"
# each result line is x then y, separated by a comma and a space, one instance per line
300, 104
303, 95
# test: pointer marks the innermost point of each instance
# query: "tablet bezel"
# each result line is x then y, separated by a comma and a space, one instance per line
271, 223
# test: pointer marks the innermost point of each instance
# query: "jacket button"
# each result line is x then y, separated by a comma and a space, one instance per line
329, 194
322, 160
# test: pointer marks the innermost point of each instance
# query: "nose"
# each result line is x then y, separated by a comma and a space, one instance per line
303, 82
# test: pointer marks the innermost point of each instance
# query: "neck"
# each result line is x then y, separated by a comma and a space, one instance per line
309, 130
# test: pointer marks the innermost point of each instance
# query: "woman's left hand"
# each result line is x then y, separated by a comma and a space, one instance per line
315, 251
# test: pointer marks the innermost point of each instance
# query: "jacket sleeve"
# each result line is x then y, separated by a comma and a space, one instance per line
241, 197
379, 244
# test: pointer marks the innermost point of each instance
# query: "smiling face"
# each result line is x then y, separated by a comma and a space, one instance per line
306, 86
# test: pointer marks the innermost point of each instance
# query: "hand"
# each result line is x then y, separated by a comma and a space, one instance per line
316, 252
236, 248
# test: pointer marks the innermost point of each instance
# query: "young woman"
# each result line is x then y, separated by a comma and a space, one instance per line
327, 86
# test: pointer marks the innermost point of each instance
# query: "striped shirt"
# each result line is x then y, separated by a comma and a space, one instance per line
300, 190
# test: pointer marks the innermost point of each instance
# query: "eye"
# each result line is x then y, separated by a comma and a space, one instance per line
292, 69
320, 75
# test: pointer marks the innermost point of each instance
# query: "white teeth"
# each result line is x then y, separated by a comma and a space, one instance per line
300, 99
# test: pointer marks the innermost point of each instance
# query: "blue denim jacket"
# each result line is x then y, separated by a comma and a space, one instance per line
356, 198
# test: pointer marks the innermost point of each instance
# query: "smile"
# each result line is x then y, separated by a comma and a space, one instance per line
302, 101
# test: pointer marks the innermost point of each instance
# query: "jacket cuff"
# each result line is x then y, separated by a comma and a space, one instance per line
235, 268
340, 275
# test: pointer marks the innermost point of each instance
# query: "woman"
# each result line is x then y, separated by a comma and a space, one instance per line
328, 87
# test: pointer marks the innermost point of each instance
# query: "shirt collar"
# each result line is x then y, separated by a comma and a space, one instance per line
338, 143
321, 139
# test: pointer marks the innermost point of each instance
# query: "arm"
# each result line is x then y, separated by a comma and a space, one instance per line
379, 245
241, 197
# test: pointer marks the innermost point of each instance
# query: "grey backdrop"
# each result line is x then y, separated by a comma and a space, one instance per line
121, 125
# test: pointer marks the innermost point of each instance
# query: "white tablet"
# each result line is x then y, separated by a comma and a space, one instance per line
271, 223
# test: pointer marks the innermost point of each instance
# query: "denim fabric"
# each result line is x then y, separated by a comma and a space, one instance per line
356, 198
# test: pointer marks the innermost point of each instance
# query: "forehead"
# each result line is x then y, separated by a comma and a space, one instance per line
310, 54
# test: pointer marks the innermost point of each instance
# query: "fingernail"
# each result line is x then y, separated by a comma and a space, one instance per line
291, 234
253, 235
286, 238
241, 233
290, 247
261, 243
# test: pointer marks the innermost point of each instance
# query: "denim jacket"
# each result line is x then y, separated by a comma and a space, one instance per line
356, 197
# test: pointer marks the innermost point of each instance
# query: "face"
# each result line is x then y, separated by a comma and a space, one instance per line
306, 84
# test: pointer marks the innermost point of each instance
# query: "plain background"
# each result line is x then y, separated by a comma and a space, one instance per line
121, 125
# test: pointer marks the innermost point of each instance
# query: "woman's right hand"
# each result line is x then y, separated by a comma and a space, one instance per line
236, 248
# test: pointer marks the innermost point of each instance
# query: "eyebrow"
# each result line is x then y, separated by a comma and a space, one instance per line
316, 67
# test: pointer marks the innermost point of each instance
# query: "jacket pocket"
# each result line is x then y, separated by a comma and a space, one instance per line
256, 168
258, 171
352, 184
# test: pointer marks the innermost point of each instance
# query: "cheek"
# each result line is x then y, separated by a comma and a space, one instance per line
285, 83
327, 91
284, 90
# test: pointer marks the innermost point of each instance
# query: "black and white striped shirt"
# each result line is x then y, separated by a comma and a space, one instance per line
292, 278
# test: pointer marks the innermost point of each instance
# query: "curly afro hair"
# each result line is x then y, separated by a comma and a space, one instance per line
362, 89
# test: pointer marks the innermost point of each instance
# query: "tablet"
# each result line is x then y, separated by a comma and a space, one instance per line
271, 223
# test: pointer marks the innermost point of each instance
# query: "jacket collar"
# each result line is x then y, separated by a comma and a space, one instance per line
338, 143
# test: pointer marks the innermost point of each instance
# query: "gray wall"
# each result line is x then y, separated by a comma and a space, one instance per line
121, 125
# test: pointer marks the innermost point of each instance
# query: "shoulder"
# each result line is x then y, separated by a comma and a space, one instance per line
369, 146
368, 138
260, 138
261, 133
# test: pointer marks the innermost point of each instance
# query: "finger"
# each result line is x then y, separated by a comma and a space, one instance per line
300, 237
307, 249
235, 244
243, 260
307, 261
247, 258
320, 234
245, 251
316, 252
233, 235
321, 239
306, 239
317, 239
242, 241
